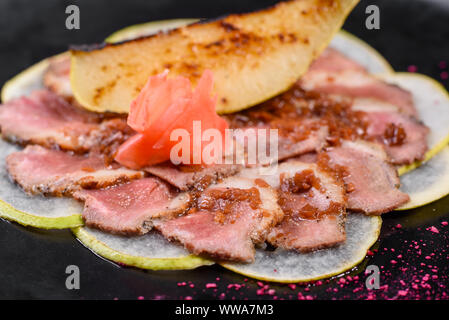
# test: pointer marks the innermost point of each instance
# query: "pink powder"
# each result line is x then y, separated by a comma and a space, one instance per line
433, 229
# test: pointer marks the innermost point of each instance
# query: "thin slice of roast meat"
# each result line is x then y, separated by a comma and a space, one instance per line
313, 203
51, 172
303, 136
403, 137
186, 177
228, 219
335, 74
46, 119
107, 137
131, 208
372, 182
296, 134
57, 77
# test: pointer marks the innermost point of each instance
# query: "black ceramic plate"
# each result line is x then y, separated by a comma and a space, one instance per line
413, 260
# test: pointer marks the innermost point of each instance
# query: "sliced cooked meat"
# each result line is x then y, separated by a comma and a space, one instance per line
311, 157
309, 235
229, 218
107, 137
372, 182
187, 177
57, 77
46, 119
131, 208
333, 73
403, 137
314, 142
42, 171
313, 138
296, 133
313, 203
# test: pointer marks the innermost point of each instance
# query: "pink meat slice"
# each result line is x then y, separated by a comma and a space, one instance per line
130, 208
305, 235
201, 235
309, 235
232, 239
412, 148
374, 180
314, 142
187, 177
333, 73
51, 172
57, 77
46, 119
287, 147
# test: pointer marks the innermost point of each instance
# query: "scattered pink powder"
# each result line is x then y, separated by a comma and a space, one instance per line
433, 229
402, 293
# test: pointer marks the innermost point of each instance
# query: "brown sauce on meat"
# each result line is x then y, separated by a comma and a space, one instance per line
301, 208
394, 135
294, 196
338, 172
301, 182
261, 183
191, 168
226, 203
291, 113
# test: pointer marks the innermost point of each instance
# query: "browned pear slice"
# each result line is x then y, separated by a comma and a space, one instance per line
253, 56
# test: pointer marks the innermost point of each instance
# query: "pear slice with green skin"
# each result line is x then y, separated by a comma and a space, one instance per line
428, 180
27, 81
150, 251
290, 267
432, 103
35, 211
427, 183
361, 52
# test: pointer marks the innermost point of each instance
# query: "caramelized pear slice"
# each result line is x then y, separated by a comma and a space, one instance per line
253, 56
